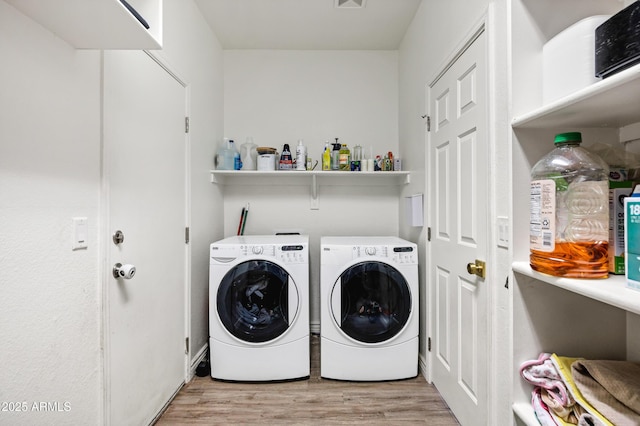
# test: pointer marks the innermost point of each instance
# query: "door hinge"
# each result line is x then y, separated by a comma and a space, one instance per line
186, 124
186, 345
428, 123
429, 344
186, 235
429, 234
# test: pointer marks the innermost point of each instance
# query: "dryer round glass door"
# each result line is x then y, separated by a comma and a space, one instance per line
257, 301
371, 302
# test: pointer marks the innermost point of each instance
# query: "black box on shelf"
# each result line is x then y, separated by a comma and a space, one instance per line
618, 41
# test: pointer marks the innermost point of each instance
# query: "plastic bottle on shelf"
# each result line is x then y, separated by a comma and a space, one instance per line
569, 222
249, 155
286, 163
226, 155
356, 159
301, 156
343, 158
335, 156
326, 158
235, 155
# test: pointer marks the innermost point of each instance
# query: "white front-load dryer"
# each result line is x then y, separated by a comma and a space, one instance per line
368, 308
259, 308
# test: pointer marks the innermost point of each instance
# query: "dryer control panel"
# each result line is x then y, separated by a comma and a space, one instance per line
295, 253
397, 254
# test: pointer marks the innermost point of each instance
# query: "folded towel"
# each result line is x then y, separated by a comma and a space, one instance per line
592, 415
611, 387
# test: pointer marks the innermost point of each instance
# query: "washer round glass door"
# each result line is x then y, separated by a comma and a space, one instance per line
371, 302
257, 301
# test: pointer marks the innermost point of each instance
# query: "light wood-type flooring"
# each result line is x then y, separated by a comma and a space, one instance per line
313, 401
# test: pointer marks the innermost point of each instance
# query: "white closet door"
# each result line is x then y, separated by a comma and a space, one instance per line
458, 151
144, 145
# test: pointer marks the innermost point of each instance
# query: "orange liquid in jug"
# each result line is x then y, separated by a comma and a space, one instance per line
573, 260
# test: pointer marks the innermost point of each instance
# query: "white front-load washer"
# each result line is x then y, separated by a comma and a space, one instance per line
368, 308
259, 308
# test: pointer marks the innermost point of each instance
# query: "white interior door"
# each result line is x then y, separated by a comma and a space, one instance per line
144, 146
458, 151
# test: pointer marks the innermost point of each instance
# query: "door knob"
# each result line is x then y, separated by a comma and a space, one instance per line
123, 271
478, 268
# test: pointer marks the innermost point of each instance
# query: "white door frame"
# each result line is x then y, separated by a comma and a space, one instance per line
105, 232
487, 24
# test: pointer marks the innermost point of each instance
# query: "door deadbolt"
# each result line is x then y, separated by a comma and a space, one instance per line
118, 237
478, 268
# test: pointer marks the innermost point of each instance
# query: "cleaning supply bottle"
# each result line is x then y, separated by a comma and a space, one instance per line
343, 160
286, 163
569, 213
335, 156
326, 158
237, 163
249, 155
301, 156
226, 155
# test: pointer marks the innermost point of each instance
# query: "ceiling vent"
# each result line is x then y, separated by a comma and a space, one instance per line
350, 4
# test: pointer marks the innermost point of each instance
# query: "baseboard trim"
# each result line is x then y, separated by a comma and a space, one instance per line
314, 327
197, 359
422, 367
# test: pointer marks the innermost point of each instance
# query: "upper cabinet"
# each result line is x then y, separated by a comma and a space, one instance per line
99, 24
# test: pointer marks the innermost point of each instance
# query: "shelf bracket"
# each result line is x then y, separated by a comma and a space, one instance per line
315, 205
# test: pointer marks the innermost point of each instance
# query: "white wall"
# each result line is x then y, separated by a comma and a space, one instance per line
437, 31
49, 172
278, 97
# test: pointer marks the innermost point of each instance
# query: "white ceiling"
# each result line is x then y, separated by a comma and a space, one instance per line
308, 24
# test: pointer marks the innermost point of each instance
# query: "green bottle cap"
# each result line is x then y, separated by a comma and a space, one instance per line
568, 137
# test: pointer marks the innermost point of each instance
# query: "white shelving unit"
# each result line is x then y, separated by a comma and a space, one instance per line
293, 177
312, 178
612, 291
571, 317
98, 24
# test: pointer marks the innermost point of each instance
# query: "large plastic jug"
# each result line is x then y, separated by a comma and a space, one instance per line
569, 221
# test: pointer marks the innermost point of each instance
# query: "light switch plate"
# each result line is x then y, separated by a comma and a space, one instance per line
503, 231
80, 233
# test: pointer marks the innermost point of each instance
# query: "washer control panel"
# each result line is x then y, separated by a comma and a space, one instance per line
397, 254
285, 253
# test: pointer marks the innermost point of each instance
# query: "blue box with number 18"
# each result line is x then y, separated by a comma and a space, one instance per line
632, 238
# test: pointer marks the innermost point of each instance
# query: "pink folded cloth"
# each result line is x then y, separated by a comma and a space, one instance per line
542, 372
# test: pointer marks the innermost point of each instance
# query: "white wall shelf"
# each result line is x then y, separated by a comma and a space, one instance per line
612, 291
294, 177
98, 24
313, 178
612, 102
525, 413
